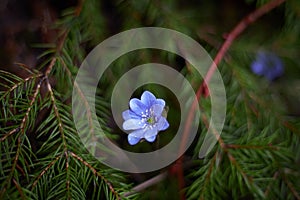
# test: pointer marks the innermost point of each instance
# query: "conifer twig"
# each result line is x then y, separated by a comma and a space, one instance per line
95, 172
269, 186
147, 183
19, 189
22, 129
291, 187
202, 90
45, 170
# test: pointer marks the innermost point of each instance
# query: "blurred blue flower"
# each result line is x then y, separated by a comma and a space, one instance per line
268, 65
145, 118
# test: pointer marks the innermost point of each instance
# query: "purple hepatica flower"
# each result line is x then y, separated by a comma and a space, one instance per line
144, 118
267, 64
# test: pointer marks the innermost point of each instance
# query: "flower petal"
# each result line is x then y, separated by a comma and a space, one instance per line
150, 133
162, 124
157, 109
148, 98
138, 133
128, 114
161, 102
132, 124
133, 140
151, 139
258, 68
137, 106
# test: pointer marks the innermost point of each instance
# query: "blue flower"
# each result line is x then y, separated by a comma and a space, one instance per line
144, 118
268, 65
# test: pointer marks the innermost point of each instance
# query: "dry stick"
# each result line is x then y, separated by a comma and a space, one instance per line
239, 28
156, 179
147, 183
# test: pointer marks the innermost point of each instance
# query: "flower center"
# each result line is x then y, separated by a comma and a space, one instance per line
149, 117
151, 120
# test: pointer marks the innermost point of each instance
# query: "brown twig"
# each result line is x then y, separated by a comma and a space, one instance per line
269, 186
239, 28
22, 129
9, 134
147, 183
207, 177
45, 170
58, 50
291, 187
61, 130
85, 102
95, 172
19, 189
236, 146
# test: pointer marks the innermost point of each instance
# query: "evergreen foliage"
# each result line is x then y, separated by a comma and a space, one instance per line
256, 157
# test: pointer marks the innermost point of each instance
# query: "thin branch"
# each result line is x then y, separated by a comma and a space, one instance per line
45, 170
147, 183
25, 67
269, 186
96, 173
225, 148
19, 189
239, 28
20, 83
9, 134
61, 42
86, 104
291, 187
236, 146
58, 50
156, 179
61, 130
24, 120
207, 177
37, 91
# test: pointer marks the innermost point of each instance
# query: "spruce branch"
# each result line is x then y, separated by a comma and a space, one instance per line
240, 27
83, 98
18, 84
45, 170
9, 134
95, 172
58, 51
61, 130
20, 138
207, 176
291, 187
276, 174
